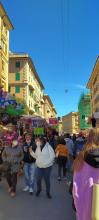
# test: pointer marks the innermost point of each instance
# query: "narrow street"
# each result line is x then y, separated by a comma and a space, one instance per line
26, 207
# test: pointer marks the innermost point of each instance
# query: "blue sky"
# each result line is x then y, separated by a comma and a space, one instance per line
62, 37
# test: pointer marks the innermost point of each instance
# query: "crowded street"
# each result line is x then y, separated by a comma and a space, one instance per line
49, 110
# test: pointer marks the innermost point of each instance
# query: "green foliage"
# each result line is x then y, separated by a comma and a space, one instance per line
11, 111
23, 104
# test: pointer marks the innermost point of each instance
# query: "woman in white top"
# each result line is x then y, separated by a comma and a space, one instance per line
44, 156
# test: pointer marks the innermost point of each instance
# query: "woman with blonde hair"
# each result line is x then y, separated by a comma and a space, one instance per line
86, 174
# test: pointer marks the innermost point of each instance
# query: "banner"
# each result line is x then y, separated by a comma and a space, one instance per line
4, 103
38, 131
53, 121
37, 123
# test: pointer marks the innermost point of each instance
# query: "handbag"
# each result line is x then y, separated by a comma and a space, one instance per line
5, 167
95, 202
46, 158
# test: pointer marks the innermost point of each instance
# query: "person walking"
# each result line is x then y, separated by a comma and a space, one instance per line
44, 156
79, 144
70, 146
86, 174
62, 154
29, 164
12, 156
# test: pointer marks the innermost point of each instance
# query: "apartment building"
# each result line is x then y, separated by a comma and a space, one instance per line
49, 109
93, 85
70, 123
5, 27
84, 108
25, 84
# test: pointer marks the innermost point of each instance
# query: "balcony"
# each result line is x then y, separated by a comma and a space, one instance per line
31, 109
31, 85
42, 101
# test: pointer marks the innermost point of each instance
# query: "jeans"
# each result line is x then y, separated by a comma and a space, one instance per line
44, 173
29, 171
69, 162
61, 160
12, 181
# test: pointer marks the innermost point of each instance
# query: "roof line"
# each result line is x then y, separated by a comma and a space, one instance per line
47, 96
5, 15
92, 72
23, 56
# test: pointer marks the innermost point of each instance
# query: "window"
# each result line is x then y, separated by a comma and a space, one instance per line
17, 89
83, 116
17, 76
6, 49
17, 64
36, 108
3, 65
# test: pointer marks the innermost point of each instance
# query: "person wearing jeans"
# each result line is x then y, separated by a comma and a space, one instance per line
29, 164
42, 173
29, 170
44, 161
62, 156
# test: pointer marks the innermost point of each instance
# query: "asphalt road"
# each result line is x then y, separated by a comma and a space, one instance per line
26, 207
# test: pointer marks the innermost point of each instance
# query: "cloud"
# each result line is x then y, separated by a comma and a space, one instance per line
79, 86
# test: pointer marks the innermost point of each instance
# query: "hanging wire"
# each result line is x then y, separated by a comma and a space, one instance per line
65, 38
65, 25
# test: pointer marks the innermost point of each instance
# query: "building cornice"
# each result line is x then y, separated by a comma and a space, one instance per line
5, 17
50, 102
28, 58
94, 72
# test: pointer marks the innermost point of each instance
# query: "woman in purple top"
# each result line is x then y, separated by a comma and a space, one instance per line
86, 173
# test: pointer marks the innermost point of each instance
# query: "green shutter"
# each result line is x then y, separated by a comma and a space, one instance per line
17, 76
17, 89
18, 64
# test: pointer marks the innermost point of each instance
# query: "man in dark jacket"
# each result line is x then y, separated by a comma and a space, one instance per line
79, 144
29, 164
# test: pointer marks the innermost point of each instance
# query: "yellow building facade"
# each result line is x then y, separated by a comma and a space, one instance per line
70, 123
5, 27
93, 85
49, 109
25, 84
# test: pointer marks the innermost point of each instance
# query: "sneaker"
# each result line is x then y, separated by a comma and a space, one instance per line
38, 193
13, 194
31, 191
49, 196
59, 178
26, 189
9, 190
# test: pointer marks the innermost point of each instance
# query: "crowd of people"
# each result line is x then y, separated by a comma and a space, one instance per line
77, 154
